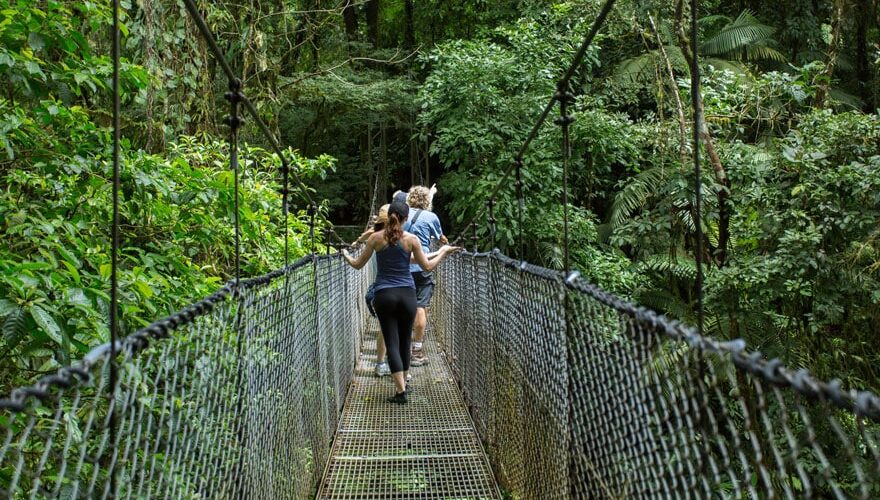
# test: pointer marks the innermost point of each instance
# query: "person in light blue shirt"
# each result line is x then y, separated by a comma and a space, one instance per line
395, 300
425, 225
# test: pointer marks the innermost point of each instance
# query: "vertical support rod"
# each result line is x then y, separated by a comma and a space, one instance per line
698, 216
492, 229
234, 121
474, 238
698, 190
312, 211
114, 250
285, 170
565, 98
521, 206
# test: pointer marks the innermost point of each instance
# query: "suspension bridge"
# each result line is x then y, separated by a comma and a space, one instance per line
541, 385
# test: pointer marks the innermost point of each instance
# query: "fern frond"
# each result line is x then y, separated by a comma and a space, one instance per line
664, 302
641, 67
682, 268
846, 99
634, 195
636, 68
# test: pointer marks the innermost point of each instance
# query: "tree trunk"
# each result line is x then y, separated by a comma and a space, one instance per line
373, 22
679, 108
349, 16
315, 30
721, 178
833, 49
150, 64
409, 33
863, 69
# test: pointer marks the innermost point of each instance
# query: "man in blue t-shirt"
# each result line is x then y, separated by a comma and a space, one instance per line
426, 226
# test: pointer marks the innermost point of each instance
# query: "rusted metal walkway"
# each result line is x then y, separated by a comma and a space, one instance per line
427, 448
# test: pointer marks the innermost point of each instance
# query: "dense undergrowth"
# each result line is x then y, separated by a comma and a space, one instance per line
177, 239
400, 93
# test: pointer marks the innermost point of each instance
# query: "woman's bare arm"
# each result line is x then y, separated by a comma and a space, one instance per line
429, 264
364, 257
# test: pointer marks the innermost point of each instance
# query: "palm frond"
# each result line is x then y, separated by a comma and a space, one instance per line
735, 67
734, 38
760, 52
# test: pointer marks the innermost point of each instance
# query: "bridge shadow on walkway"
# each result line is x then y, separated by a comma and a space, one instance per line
427, 448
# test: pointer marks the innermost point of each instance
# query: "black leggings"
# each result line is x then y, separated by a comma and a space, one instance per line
396, 309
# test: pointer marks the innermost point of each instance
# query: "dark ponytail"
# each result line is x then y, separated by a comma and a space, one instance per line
397, 213
393, 230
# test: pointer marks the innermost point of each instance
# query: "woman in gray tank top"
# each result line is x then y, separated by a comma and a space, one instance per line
395, 300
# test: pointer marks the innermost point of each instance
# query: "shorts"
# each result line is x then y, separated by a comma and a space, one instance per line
424, 287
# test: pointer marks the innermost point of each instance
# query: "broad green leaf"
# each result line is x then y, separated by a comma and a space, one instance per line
144, 288
6, 307
47, 323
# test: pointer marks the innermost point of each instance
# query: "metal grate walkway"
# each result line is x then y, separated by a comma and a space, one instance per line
427, 448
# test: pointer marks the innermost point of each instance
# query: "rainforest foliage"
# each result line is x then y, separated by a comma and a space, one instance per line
371, 96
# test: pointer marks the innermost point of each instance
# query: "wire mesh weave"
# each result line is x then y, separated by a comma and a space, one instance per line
237, 396
575, 392
578, 394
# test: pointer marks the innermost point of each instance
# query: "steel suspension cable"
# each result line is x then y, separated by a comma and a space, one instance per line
698, 185
114, 245
211, 40
533, 133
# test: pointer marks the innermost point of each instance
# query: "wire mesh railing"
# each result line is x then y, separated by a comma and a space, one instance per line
237, 396
578, 394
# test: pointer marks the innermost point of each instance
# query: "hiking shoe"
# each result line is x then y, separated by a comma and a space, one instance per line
399, 398
382, 369
418, 358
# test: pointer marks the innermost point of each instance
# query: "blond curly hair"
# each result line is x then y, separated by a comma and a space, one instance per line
419, 197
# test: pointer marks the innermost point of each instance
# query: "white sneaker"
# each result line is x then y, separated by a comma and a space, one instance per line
382, 369
408, 377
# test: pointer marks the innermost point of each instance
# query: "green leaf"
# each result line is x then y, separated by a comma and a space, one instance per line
73, 271
144, 288
6, 307
47, 323
14, 328
36, 41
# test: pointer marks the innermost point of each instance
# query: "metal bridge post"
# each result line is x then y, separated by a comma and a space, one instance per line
234, 121
565, 98
491, 205
521, 204
285, 191
474, 238
313, 209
